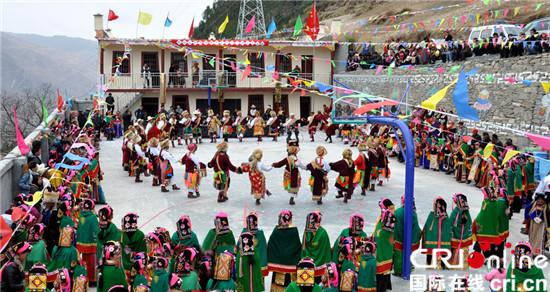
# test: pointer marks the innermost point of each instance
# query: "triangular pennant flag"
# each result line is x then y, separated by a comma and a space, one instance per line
488, 150
60, 102
432, 102
312, 24
44, 111
23, 147
246, 72
212, 62
542, 141
112, 16
545, 86
251, 24
298, 26
509, 154
222, 26
271, 29
461, 98
191, 28
167, 22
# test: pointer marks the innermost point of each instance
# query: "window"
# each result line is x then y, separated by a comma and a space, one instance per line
283, 104
474, 35
125, 65
283, 63
179, 61
307, 67
486, 33
258, 101
256, 64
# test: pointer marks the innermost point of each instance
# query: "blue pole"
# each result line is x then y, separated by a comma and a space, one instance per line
409, 185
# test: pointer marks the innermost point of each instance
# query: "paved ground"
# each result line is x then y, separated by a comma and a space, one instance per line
163, 209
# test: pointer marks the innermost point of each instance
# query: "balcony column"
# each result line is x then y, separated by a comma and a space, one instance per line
219, 67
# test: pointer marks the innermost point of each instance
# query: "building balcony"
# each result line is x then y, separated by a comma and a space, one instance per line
181, 81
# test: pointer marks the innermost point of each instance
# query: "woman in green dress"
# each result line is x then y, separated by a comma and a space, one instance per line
354, 232
330, 278
64, 255
399, 236
523, 269
161, 278
184, 269
39, 253
248, 265
366, 278
316, 243
305, 279
437, 231
220, 244
461, 230
183, 238
111, 272
107, 229
133, 239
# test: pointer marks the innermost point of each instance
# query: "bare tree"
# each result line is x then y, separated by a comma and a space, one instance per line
29, 113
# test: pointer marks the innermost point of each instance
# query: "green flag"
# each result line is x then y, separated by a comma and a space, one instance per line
89, 120
298, 27
44, 111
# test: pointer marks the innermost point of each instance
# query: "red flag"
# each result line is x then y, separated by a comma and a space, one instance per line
192, 28
312, 24
23, 147
95, 104
60, 101
246, 72
112, 16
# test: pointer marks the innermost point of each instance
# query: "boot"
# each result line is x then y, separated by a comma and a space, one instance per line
372, 189
267, 192
173, 145
258, 202
175, 187
190, 195
220, 197
197, 194
155, 182
179, 142
275, 138
164, 189
340, 195
291, 201
346, 198
363, 193
380, 182
330, 139
259, 139
240, 139
138, 180
320, 202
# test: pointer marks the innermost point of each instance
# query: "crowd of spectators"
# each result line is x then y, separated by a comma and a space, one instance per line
430, 51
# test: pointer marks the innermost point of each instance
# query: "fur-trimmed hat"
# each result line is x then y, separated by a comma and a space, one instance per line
321, 151
222, 147
165, 144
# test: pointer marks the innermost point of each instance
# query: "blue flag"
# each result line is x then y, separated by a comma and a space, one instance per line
272, 28
167, 22
461, 99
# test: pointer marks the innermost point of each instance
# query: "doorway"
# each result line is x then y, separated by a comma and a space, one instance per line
202, 105
305, 106
152, 59
256, 100
182, 101
150, 105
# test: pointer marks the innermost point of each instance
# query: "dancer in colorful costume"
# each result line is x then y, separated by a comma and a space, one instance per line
436, 233
222, 166
194, 170
256, 176
318, 180
316, 243
461, 228
291, 177
346, 170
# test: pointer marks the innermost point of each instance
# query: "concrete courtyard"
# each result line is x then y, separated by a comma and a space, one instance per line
164, 209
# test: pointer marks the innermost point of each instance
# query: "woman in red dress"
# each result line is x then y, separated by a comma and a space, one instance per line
257, 179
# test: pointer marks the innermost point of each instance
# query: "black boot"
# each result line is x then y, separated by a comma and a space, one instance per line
155, 182
320, 201
346, 198
258, 202
197, 194
372, 188
267, 192
363, 193
340, 195
220, 197
164, 189
291, 201
138, 180
175, 187
190, 195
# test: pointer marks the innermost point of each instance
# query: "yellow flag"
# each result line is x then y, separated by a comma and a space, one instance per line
223, 25
144, 18
308, 83
509, 155
488, 150
545, 86
246, 61
431, 102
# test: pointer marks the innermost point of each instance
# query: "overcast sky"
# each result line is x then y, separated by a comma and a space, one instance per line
75, 18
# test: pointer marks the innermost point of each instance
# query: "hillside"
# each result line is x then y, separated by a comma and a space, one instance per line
29, 60
351, 13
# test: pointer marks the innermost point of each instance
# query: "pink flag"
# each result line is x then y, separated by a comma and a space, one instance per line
371, 106
23, 148
246, 72
250, 25
378, 69
233, 66
275, 75
463, 19
542, 141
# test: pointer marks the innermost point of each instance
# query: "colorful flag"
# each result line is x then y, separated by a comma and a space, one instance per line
246, 72
298, 27
432, 102
23, 147
271, 29
144, 18
251, 24
542, 141
221, 29
44, 111
312, 24
60, 102
461, 98
192, 28
167, 22
112, 16
509, 154
488, 150
545, 86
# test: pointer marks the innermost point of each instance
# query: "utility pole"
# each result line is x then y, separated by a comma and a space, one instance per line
251, 9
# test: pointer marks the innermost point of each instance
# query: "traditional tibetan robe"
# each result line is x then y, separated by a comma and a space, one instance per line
399, 238
491, 224
132, 242
38, 254
318, 180
293, 287
249, 270
316, 245
111, 233
139, 279
346, 171
529, 176
283, 253
219, 242
179, 244
80, 278
86, 241
519, 277
222, 165
291, 177
363, 168
160, 281
436, 233
384, 250
190, 282
367, 274
461, 238
261, 245
111, 276
335, 247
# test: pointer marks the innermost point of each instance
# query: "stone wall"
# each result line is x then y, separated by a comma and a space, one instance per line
515, 104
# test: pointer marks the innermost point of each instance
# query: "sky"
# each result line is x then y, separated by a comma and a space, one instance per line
75, 18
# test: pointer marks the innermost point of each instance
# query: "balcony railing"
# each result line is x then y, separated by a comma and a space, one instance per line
204, 79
